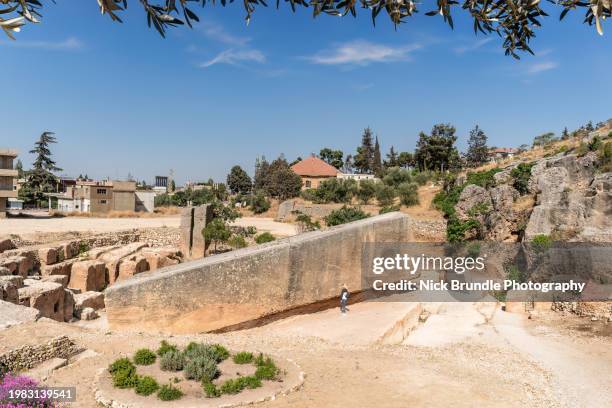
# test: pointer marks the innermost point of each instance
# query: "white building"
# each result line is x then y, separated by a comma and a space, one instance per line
356, 177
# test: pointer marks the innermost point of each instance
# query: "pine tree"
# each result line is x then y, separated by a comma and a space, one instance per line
477, 147
239, 181
41, 179
392, 158
377, 167
363, 160
19, 168
565, 134
589, 126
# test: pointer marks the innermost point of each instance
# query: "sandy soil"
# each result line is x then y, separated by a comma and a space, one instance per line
502, 361
33, 226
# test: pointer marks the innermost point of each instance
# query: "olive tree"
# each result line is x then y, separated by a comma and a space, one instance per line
514, 21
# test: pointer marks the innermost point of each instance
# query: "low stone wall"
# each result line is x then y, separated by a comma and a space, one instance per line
240, 286
286, 208
29, 356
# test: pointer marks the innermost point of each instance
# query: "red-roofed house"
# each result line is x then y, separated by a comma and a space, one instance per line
313, 170
500, 153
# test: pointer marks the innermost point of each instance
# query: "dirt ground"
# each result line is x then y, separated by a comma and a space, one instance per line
26, 227
503, 360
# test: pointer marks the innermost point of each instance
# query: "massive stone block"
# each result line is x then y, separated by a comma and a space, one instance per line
47, 256
94, 300
193, 221
47, 297
247, 284
88, 275
114, 258
133, 266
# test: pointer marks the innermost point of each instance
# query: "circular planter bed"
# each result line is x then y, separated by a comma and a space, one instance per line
199, 375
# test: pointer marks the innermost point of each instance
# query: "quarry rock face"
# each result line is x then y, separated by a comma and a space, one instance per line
573, 203
88, 275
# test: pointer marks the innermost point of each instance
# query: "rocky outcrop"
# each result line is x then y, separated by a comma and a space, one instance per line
573, 202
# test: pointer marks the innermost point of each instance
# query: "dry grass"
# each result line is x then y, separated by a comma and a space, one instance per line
271, 213
159, 212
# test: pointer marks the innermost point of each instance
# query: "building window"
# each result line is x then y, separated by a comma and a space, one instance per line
102, 191
308, 183
102, 201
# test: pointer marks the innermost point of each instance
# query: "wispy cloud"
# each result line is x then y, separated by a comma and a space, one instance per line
217, 32
362, 52
235, 57
69, 44
474, 46
538, 67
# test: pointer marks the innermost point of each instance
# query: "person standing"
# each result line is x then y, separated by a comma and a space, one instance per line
344, 295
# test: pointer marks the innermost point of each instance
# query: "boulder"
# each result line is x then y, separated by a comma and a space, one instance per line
14, 279
87, 275
93, 300
17, 265
132, 266
12, 315
61, 279
8, 292
87, 314
113, 259
161, 257
472, 197
47, 297
47, 256
6, 244
69, 249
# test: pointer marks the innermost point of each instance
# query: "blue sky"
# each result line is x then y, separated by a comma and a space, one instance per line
123, 100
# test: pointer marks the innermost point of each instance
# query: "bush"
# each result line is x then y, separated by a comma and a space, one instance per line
421, 178
165, 347
264, 237
305, 222
521, 175
391, 208
541, 242
172, 360
595, 144
146, 386
266, 368
238, 384
244, 357
385, 195
344, 215
201, 368
215, 352
483, 179
605, 157
237, 242
366, 191
396, 176
144, 357
210, 390
220, 353
332, 190
259, 203
169, 393
123, 373
216, 232
408, 194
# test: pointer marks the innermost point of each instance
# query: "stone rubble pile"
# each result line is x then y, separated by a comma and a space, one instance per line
64, 281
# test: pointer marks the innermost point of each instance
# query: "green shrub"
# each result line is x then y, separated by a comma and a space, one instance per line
483, 179
582, 149
165, 347
385, 195
201, 368
456, 229
244, 357
595, 144
408, 194
266, 368
146, 385
169, 393
605, 157
344, 215
125, 378
396, 176
521, 175
305, 222
259, 203
366, 191
237, 242
172, 360
332, 190
264, 237
541, 242
513, 273
121, 364
421, 178
210, 390
251, 230
144, 357
236, 385
220, 353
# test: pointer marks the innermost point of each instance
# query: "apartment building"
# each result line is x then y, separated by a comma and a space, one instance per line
7, 175
98, 197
